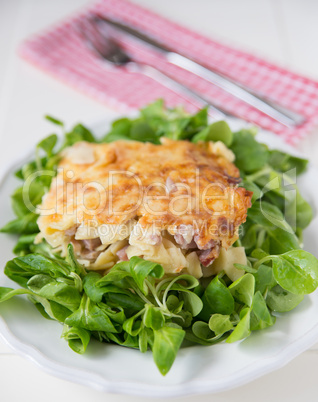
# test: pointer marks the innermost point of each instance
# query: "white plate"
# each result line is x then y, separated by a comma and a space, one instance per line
197, 369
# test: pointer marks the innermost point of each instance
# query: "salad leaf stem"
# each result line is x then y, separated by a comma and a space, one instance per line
154, 293
139, 293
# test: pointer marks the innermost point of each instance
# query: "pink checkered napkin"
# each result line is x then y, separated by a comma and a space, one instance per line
62, 52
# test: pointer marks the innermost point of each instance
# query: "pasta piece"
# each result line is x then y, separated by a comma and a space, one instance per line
193, 265
225, 262
111, 233
108, 258
80, 154
219, 148
167, 254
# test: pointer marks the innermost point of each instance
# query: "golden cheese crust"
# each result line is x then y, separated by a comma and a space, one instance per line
168, 186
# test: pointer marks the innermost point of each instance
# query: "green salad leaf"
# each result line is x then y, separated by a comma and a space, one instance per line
250, 155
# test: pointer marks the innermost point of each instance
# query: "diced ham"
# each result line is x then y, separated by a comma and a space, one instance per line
184, 236
155, 239
122, 255
71, 231
91, 244
207, 256
210, 244
183, 242
86, 248
77, 246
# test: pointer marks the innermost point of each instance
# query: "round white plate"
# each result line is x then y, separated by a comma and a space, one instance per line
197, 369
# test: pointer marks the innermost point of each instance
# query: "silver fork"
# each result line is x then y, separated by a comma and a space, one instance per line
106, 47
251, 97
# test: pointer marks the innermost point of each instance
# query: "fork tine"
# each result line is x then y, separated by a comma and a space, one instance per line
100, 40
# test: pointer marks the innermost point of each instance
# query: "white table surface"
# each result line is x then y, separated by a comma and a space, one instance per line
283, 31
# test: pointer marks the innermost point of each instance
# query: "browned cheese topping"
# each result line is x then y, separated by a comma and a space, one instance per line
178, 190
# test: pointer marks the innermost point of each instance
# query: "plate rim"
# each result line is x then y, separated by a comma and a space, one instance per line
78, 376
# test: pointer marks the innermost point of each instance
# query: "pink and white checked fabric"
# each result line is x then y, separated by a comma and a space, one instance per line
61, 52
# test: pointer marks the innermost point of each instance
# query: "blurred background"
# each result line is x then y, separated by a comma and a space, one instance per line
282, 31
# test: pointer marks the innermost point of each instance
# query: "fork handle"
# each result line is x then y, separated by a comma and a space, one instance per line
192, 96
251, 97
279, 113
